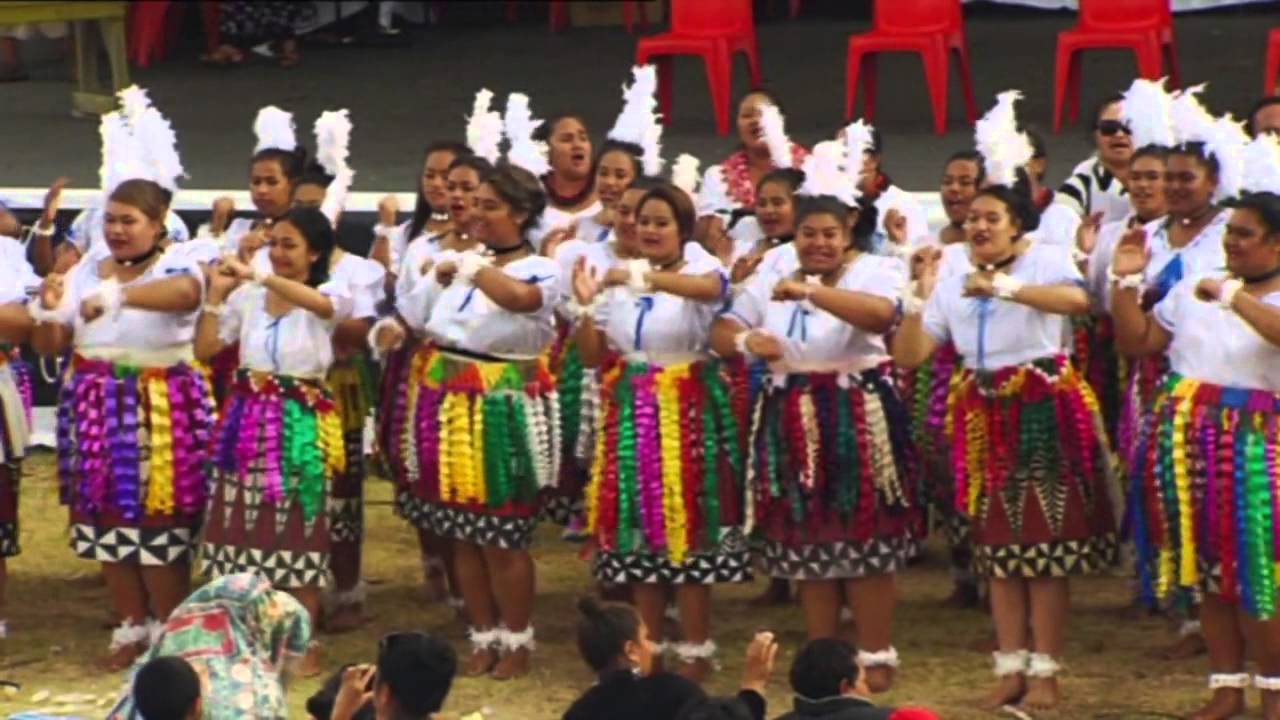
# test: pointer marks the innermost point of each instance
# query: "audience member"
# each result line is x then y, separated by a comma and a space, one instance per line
167, 688
827, 684
409, 682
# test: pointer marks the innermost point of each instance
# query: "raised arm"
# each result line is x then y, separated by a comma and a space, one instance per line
1137, 332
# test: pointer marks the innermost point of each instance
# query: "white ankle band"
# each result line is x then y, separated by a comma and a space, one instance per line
1042, 665
484, 639
1010, 663
1237, 681
512, 641
128, 634
693, 652
155, 629
883, 658
1189, 627
1265, 683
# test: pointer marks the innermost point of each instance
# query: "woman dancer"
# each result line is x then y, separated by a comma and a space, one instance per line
1029, 456
279, 442
430, 211
17, 282
570, 183
1202, 475
662, 514
820, 329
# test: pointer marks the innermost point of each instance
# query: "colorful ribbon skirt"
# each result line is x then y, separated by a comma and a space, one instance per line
23, 377
665, 493
354, 385
1205, 496
15, 409
834, 476
1032, 470
1095, 357
132, 447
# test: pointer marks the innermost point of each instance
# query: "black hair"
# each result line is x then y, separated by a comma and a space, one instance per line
318, 232
149, 197
422, 209
1159, 152
633, 151
715, 708
862, 230
1265, 204
645, 183
293, 163
604, 629
519, 189
1038, 148
544, 131
1017, 201
1200, 152
320, 704
166, 688
482, 167
790, 177
679, 202
822, 666
1261, 104
418, 669
313, 174
1098, 109
766, 93
972, 156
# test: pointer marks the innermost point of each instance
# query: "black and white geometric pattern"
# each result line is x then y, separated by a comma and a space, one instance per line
9, 546
508, 533
559, 508
282, 568
1056, 558
839, 560
411, 509
346, 520
729, 563
143, 546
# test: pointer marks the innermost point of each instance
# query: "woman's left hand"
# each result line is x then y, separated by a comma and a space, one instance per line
978, 284
1209, 289
235, 267
788, 290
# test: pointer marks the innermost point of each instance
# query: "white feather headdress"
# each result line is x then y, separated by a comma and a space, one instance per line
519, 126
1147, 109
826, 173
637, 123
138, 142
774, 128
1003, 147
121, 153
333, 143
1262, 164
1226, 143
859, 140
1191, 121
684, 174
484, 127
274, 130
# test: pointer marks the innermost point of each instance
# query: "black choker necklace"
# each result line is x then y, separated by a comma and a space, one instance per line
992, 267
508, 250
557, 200
666, 266
131, 262
780, 240
1189, 221
1254, 279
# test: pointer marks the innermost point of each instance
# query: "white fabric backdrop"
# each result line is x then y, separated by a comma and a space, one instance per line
1178, 5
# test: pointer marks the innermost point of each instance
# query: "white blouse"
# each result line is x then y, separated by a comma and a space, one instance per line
362, 277
810, 334
555, 218
461, 316
992, 333
659, 322
18, 280
1213, 344
297, 344
88, 235
602, 256
1203, 254
131, 328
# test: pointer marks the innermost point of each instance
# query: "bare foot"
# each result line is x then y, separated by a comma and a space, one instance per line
312, 663
480, 663
1186, 647
879, 678
122, 657
1042, 694
777, 592
513, 665
345, 619
1008, 691
697, 671
1225, 704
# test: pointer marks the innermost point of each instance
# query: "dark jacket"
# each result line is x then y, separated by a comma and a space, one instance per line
837, 708
621, 695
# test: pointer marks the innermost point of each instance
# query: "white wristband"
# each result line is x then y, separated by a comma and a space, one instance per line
470, 263
1005, 285
372, 338
38, 231
740, 342
386, 231
1078, 255
578, 311
1125, 282
60, 315
1228, 293
912, 304
636, 271
260, 276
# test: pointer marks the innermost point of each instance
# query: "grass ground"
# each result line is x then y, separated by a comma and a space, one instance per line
57, 610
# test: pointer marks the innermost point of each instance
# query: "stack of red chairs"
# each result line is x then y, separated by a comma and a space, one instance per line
934, 29
714, 30
1143, 26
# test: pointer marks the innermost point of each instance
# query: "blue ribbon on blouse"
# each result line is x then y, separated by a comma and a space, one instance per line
645, 303
273, 342
1168, 276
799, 316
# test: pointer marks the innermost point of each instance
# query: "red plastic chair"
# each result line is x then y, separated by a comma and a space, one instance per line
631, 8
715, 30
153, 25
933, 29
1143, 26
1271, 75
